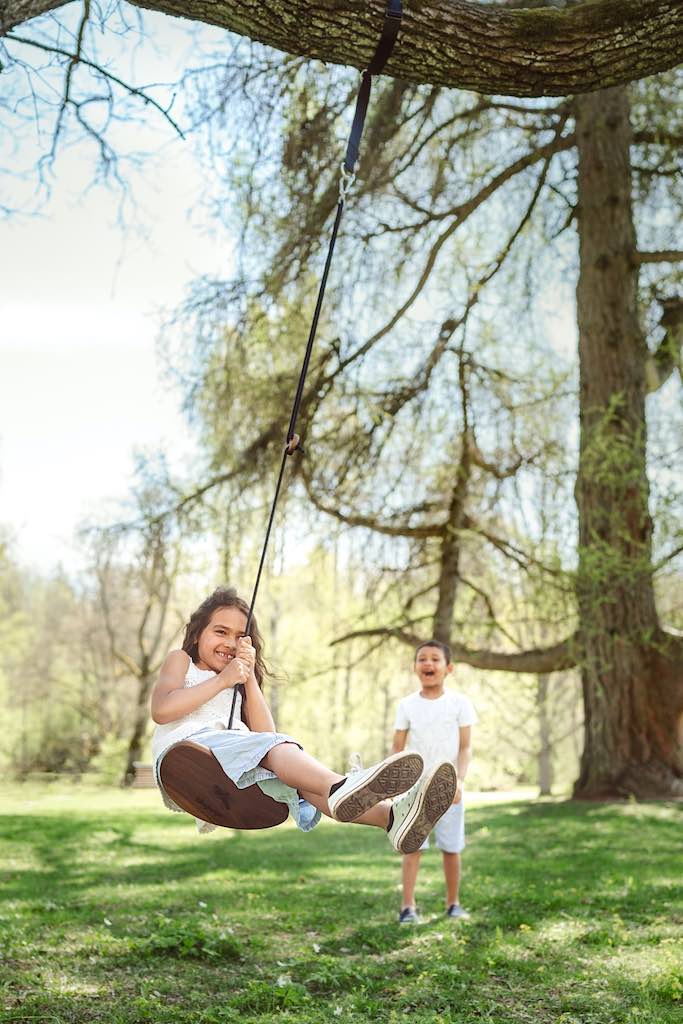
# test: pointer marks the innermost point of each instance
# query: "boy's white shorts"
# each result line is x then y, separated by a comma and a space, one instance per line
449, 831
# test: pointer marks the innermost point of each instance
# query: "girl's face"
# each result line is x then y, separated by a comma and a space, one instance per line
217, 642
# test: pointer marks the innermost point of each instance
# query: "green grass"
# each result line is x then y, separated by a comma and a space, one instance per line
114, 910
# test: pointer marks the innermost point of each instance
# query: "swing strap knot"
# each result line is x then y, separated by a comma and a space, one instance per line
294, 445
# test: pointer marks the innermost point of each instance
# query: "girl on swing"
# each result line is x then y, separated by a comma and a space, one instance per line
192, 699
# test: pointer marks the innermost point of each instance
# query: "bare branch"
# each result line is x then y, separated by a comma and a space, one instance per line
77, 58
490, 609
667, 558
558, 658
665, 256
392, 529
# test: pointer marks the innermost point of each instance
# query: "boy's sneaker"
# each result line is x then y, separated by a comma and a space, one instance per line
456, 911
361, 790
409, 915
414, 815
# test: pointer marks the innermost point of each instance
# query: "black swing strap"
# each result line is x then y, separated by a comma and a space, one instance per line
390, 29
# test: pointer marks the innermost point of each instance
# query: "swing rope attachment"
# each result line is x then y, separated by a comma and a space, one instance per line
390, 29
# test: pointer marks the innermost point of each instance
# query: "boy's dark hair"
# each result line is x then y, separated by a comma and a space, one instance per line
444, 648
223, 597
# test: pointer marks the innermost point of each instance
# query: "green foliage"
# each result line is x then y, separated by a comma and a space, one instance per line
335, 699
186, 939
115, 910
107, 764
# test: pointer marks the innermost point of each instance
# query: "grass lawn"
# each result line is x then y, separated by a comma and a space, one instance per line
114, 910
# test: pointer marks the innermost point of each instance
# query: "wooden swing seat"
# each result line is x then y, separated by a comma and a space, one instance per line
194, 779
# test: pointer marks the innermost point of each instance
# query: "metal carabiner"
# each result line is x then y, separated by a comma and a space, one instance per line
346, 181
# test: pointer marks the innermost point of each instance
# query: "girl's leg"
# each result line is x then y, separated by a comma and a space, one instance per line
377, 815
299, 770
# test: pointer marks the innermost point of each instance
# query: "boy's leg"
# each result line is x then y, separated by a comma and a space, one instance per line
450, 839
451, 870
409, 871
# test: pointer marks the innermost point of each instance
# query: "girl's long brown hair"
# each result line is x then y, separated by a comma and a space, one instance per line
223, 597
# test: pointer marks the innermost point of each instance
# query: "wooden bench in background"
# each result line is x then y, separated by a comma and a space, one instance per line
144, 776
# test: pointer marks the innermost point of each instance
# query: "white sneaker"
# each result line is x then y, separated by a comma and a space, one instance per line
409, 915
363, 789
417, 811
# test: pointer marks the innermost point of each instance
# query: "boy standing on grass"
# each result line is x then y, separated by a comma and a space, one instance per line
437, 723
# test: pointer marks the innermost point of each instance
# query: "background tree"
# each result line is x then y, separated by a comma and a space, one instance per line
360, 451
136, 573
632, 669
60, 695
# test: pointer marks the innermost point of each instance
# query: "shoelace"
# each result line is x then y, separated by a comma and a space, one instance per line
355, 763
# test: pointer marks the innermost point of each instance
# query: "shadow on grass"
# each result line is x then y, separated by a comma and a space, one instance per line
556, 853
137, 912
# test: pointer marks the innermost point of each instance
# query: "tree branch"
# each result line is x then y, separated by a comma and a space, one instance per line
514, 51
665, 256
77, 58
392, 529
558, 658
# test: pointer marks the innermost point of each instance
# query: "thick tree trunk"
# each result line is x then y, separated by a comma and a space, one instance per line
632, 676
519, 49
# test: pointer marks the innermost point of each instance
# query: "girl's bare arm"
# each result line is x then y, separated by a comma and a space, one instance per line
172, 700
256, 712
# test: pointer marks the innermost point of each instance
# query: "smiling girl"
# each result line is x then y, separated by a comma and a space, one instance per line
193, 697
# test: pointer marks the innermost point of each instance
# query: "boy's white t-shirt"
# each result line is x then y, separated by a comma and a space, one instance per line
434, 725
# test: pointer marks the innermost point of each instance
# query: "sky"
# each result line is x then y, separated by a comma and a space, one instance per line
81, 300
82, 385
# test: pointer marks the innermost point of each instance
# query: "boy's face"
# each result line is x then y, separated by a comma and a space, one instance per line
431, 667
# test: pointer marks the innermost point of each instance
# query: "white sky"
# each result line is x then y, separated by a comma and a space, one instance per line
80, 302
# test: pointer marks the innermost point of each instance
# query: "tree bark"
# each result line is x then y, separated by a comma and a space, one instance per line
140, 724
545, 759
632, 673
16, 12
515, 50
449, 557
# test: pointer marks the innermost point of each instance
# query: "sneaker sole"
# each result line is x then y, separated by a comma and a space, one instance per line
393, 777
432, 803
